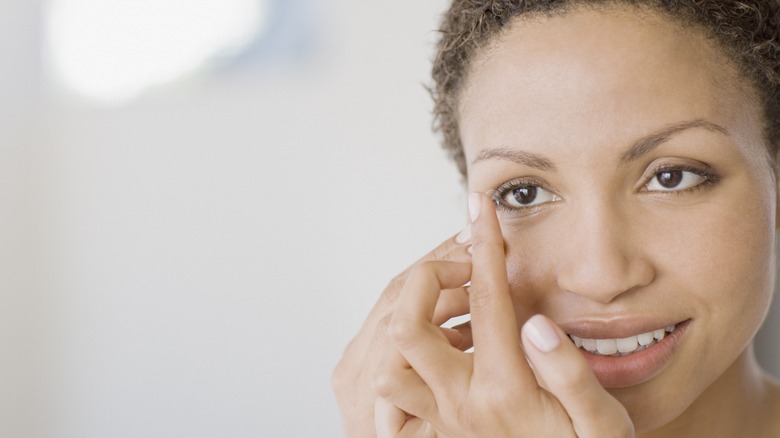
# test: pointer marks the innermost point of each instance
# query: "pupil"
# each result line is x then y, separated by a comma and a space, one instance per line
670, 178
525, 195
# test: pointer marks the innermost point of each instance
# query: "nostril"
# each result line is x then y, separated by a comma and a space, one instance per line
602, 280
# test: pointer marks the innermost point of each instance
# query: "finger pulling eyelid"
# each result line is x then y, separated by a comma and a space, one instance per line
494, 196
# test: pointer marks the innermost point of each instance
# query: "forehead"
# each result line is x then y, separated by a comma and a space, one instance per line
599, 76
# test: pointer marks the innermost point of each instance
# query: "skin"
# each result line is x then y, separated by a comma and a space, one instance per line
609, 247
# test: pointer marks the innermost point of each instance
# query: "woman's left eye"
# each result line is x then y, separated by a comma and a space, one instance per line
671, 180
526, 195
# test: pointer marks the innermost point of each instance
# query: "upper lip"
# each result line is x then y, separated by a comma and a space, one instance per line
617, 328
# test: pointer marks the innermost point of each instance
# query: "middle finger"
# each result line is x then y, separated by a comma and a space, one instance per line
419, 340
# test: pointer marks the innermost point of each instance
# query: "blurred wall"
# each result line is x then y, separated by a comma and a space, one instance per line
193, 263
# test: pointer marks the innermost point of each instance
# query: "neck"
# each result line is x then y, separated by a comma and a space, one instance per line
744, 401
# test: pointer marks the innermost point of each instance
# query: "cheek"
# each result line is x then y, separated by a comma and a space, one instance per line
722, 256
532, 260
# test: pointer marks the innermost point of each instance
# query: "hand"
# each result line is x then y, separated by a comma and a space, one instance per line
430, 389
353, 376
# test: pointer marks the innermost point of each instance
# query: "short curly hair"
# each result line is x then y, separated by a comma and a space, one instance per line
747, 31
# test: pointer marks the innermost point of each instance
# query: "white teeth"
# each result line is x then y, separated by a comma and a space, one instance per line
627, 345
623, 346
589, 344
606, 346
645, 339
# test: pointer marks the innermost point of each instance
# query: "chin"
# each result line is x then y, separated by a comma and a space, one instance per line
654, 406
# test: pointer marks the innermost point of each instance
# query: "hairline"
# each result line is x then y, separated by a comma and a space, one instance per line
743, 85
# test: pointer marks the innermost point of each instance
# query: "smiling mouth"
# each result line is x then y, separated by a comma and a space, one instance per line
623, 346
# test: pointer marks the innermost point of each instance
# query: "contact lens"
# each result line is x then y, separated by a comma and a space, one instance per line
495, 196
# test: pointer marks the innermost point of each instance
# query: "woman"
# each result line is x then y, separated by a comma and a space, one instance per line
621, 159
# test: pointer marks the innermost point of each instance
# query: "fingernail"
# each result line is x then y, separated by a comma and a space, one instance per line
541, 333
475, 203
464, 236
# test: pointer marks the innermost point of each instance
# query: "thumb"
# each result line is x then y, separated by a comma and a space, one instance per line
567, 375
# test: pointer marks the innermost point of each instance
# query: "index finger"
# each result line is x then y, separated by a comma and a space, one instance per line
493, 321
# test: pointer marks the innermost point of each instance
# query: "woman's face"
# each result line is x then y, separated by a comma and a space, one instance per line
635, 193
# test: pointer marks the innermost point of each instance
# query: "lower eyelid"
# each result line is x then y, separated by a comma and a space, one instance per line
524, 211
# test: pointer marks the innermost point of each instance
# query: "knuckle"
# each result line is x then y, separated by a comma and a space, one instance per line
576, 378
341, 377
403, 332
393, 290
423, 269
497, 399
479, 296
484, 243
439, 253
382, 329
424, 274
384, 323
576, 381
444, 249
349, 368
384, 382
428, 431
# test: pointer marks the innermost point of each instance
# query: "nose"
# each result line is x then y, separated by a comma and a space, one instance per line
601, 255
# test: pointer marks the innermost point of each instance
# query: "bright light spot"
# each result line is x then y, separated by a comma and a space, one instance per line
114, 49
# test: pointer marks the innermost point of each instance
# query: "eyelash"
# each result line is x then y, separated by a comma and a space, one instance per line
501, 191
498, 194
708, 175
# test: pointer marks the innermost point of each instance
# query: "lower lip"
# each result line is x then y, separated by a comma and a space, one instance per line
635, 368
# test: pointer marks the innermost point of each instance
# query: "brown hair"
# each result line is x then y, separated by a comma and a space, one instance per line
747, 31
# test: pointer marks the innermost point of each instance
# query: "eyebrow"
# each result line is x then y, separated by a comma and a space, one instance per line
649, 142
640, 148
520, 157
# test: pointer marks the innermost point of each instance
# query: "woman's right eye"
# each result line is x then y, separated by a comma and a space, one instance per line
523, 196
